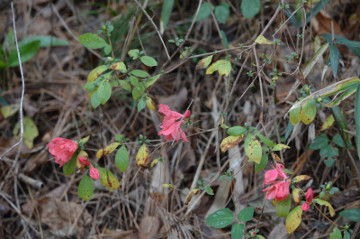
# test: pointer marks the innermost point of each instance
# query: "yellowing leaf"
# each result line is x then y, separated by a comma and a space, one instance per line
9, 110
107, 150
190, 195
94, 74
152, 80
154, 162
108, 179
168, 185
296, 195
279, 147
119, 66
276, 158
222, 66
142, 156
301, 178
308, 113
30, 131
327, 123
230, 142
295, 116
253, 148
293, 220
204, 63
325, 203
150, 104
262, 40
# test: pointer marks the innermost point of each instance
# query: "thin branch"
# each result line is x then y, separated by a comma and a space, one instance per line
21, 113
156, 28
70, 32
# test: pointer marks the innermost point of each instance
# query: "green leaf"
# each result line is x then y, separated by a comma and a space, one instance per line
45, 41
338, 141
165, 14
283, 207
237, 231
134, 54
86, 188
137, 92
336, 234
224, 38
152, 80
334, 59
30, 131
69, 166
320, 5
139, 73
9, 110
268, 142
220, 219
83, 141
122, 159
107, 49
352, 214
95, 102
148, 61
293, 220
125, 85
246, 214
342, 123
104, 92
141, 104
209, 190
357, 120
236, 130
27, 51
262, 164
308, 112
250, 8
222, 12
204, 11
92, 41
253, 148
319, 142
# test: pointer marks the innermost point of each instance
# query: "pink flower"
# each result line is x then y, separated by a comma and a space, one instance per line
171, 127
277, 173
62, 150
278, 190
84, 161
94, 173
187, 114
309, 197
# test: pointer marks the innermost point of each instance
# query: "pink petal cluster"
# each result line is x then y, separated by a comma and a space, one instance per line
84, 161
309, 197
278, 184
62, 150
94, 173
171, 126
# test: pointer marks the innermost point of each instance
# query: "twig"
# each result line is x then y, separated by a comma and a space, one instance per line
21, 113
156, 28
70, 32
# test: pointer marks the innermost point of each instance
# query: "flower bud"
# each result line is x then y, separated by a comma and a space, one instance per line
187, 114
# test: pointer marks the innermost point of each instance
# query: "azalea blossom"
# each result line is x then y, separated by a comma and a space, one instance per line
309, 197
84, 161
278, 183
62, 150
94, 173
171, 126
